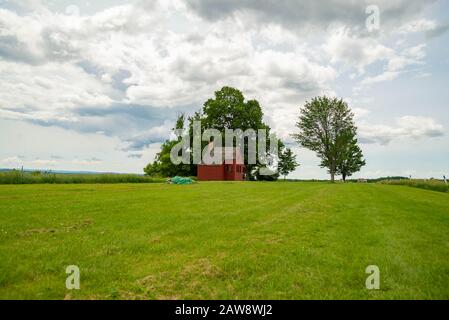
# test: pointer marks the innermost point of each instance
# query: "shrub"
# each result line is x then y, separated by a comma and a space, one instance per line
433, 184
19, 177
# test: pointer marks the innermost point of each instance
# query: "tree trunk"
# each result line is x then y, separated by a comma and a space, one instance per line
332, 168
344, 177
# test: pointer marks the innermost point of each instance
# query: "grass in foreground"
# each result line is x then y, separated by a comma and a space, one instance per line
223, 241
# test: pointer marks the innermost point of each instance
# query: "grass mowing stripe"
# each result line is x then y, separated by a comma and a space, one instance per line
223, 240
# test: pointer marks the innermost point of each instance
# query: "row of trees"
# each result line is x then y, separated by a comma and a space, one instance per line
326, 127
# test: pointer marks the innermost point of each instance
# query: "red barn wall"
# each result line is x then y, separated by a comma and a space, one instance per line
233, 174
211, 172
221, 172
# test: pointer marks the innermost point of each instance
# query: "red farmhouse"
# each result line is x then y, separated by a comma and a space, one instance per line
219, 172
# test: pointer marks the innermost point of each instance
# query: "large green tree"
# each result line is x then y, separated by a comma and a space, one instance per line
287, 162
228, 109
162, 165
326, 127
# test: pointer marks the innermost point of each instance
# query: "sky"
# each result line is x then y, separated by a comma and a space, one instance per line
97, 85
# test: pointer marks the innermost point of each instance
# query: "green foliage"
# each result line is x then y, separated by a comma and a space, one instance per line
327, 127
351, 159
153, 170
227, 110
180, 122
163, 166
287, 162
381, 179
19, 177
431, 184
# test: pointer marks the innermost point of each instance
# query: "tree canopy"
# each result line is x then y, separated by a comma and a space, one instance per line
287, 162
327, 127
351, 160
162, 166
228, 109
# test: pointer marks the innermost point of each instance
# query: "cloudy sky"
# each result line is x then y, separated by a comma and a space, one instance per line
96, 85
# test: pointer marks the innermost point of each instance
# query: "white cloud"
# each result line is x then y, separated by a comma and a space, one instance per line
353, 50
49, 90
420, 25
10, 161
125, 72
17, 161
397, 64
360, 113
36, 147
138, 56
407, 127
307, 14
148, 137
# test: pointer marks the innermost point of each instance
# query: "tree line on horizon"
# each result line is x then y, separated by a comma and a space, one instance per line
326, 126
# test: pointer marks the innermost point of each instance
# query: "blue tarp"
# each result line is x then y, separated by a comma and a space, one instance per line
181, 180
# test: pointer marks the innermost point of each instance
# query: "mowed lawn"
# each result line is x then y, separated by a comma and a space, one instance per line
223, 241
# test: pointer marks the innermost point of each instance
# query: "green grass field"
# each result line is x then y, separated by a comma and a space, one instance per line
223, 241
